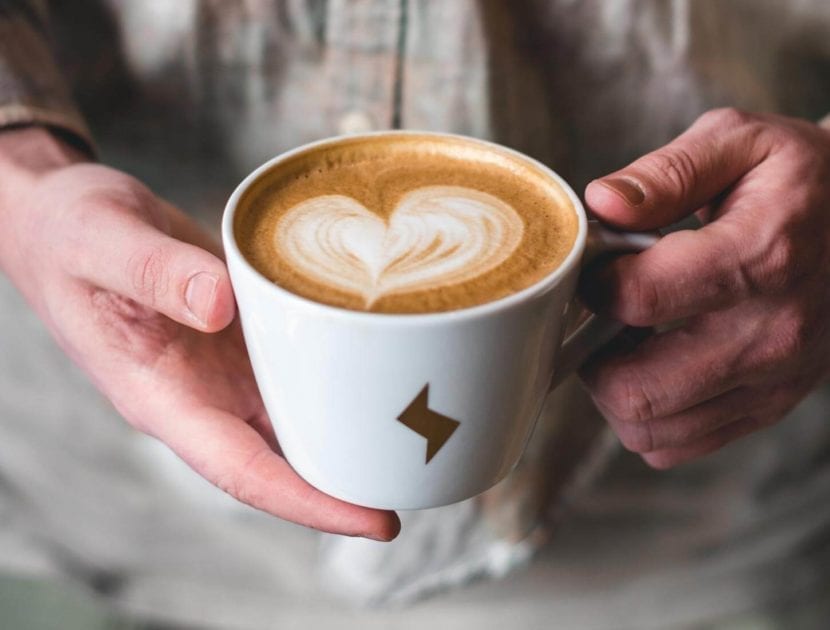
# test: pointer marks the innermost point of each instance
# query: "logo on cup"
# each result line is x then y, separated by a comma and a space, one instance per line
435, 427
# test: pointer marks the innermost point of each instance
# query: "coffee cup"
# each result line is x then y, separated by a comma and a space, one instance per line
385, 388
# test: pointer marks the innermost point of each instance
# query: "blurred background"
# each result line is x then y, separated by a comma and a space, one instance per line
102, 527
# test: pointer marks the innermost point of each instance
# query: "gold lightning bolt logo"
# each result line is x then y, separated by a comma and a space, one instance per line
435, 427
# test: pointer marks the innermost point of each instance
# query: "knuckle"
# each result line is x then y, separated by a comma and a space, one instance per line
627, 400
782, 261
122, 195
148, 275
750, 128
728, 117
792, 336
778, 265
803, 197
675, 164
143, 203
798, 141
126, 191
784, 249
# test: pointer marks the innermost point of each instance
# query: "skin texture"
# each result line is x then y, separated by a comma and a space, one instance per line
108, 266
751, 287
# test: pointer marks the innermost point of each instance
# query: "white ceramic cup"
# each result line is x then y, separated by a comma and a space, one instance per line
412, 411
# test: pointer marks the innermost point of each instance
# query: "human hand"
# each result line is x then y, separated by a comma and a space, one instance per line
136, 293
753, 284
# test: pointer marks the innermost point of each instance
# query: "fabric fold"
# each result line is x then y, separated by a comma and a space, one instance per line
32, 90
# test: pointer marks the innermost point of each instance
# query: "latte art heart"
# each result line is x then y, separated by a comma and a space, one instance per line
436, 236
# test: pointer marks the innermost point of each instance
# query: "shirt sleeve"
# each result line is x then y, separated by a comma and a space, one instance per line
32, 90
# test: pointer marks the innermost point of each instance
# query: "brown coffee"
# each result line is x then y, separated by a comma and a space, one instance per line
405, 223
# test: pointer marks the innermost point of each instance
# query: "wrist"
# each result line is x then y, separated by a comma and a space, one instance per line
35, 150
26, 155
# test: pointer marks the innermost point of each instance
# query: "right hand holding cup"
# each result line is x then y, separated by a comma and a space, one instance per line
753, 285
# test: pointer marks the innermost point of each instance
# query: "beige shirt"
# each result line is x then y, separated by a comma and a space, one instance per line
191, 95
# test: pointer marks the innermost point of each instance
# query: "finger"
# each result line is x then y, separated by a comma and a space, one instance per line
677, 179
692, 271
670, 372
685, 273
687, 427
229, 453
668, 458
136, 260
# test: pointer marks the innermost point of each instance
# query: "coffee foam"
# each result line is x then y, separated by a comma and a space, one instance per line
435, 237
405, 224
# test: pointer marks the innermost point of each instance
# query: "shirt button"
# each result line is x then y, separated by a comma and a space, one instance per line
355, 122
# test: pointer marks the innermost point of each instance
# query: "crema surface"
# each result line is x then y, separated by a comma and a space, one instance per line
405, 224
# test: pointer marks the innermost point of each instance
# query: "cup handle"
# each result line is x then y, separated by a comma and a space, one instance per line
597, 330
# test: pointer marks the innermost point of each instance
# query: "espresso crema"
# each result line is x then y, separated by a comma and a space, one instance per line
405, 223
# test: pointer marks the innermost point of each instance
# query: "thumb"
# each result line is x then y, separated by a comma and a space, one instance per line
674, 181
135, 259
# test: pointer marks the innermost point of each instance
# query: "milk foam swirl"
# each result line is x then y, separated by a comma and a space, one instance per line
436, 236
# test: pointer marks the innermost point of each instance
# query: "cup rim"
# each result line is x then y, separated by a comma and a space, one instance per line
462, 314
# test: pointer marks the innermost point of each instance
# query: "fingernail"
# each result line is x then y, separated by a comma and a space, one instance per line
199, 295
625, 188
